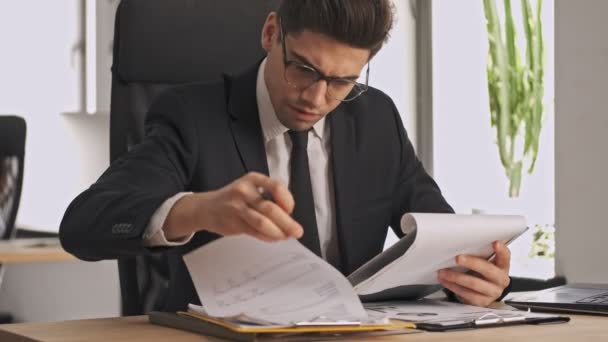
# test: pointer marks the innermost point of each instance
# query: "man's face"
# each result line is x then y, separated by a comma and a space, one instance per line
299, 109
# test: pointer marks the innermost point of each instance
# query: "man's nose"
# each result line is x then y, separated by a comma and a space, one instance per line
316, 94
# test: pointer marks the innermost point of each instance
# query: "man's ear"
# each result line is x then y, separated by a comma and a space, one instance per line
270, 31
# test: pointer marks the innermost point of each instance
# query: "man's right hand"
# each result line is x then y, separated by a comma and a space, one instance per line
237, 208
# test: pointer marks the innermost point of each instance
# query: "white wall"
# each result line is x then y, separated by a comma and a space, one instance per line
40, 80
393, 69
581, 125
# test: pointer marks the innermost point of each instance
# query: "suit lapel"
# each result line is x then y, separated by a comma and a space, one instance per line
245, 120
343, 142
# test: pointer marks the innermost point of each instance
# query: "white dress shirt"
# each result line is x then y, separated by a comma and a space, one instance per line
278, 150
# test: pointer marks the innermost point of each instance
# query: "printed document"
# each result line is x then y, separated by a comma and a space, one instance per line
433, 242
281, 282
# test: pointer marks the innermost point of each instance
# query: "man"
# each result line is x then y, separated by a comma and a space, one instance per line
293, 148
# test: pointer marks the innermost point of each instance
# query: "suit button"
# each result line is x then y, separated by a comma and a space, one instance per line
122, 228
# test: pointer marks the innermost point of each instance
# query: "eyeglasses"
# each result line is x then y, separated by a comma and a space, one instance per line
302, 76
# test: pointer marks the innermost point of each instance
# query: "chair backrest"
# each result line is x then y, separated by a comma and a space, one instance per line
157, 44
12, 151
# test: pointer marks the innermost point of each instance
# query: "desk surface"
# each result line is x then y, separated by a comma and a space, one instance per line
32, 250
585, 328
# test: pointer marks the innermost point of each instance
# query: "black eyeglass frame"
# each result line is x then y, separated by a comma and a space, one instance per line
359, 88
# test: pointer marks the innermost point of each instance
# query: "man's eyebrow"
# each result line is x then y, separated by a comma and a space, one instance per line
307, 62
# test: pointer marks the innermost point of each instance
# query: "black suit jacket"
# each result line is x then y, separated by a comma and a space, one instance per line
201, 137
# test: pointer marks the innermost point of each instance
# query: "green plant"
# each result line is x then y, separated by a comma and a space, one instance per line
516, 88
543, 242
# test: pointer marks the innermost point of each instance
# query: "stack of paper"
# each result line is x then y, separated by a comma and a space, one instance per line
408, 269
247, 285
279, 283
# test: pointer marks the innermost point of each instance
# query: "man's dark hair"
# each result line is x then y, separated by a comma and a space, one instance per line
359, 23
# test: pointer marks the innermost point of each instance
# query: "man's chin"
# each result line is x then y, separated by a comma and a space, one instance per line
299, 121
297, 125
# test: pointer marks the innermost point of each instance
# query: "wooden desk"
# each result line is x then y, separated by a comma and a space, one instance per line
580, 328
32, 250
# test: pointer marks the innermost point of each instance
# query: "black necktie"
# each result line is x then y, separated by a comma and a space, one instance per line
299, 184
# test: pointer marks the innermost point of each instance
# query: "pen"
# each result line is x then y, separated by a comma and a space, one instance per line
266, 195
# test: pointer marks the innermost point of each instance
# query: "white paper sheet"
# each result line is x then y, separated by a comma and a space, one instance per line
439, 239
281, 282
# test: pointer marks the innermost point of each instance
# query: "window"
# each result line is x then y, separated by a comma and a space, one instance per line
466, 161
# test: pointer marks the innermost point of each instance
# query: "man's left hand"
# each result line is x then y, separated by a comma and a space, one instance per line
488, 282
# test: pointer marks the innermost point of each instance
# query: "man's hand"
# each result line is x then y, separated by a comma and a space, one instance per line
487, 285
237, 208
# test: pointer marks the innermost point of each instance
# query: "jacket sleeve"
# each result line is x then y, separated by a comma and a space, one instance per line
415, 191
108, 220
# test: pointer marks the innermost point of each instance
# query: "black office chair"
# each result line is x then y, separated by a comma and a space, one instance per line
157, 44
12, 152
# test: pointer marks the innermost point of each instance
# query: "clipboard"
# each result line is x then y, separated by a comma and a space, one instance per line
438, 315
376, 280
489, 321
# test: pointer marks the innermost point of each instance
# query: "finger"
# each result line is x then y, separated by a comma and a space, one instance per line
503, 255
466, 295
247, 191
473, 283
237, 226
280, 193
280, 218
485, 269
249, 230
244, 189
261, 224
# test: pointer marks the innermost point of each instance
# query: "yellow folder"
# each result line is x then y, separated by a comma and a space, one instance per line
325, 327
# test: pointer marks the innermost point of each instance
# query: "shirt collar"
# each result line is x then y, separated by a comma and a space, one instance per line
271, 126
